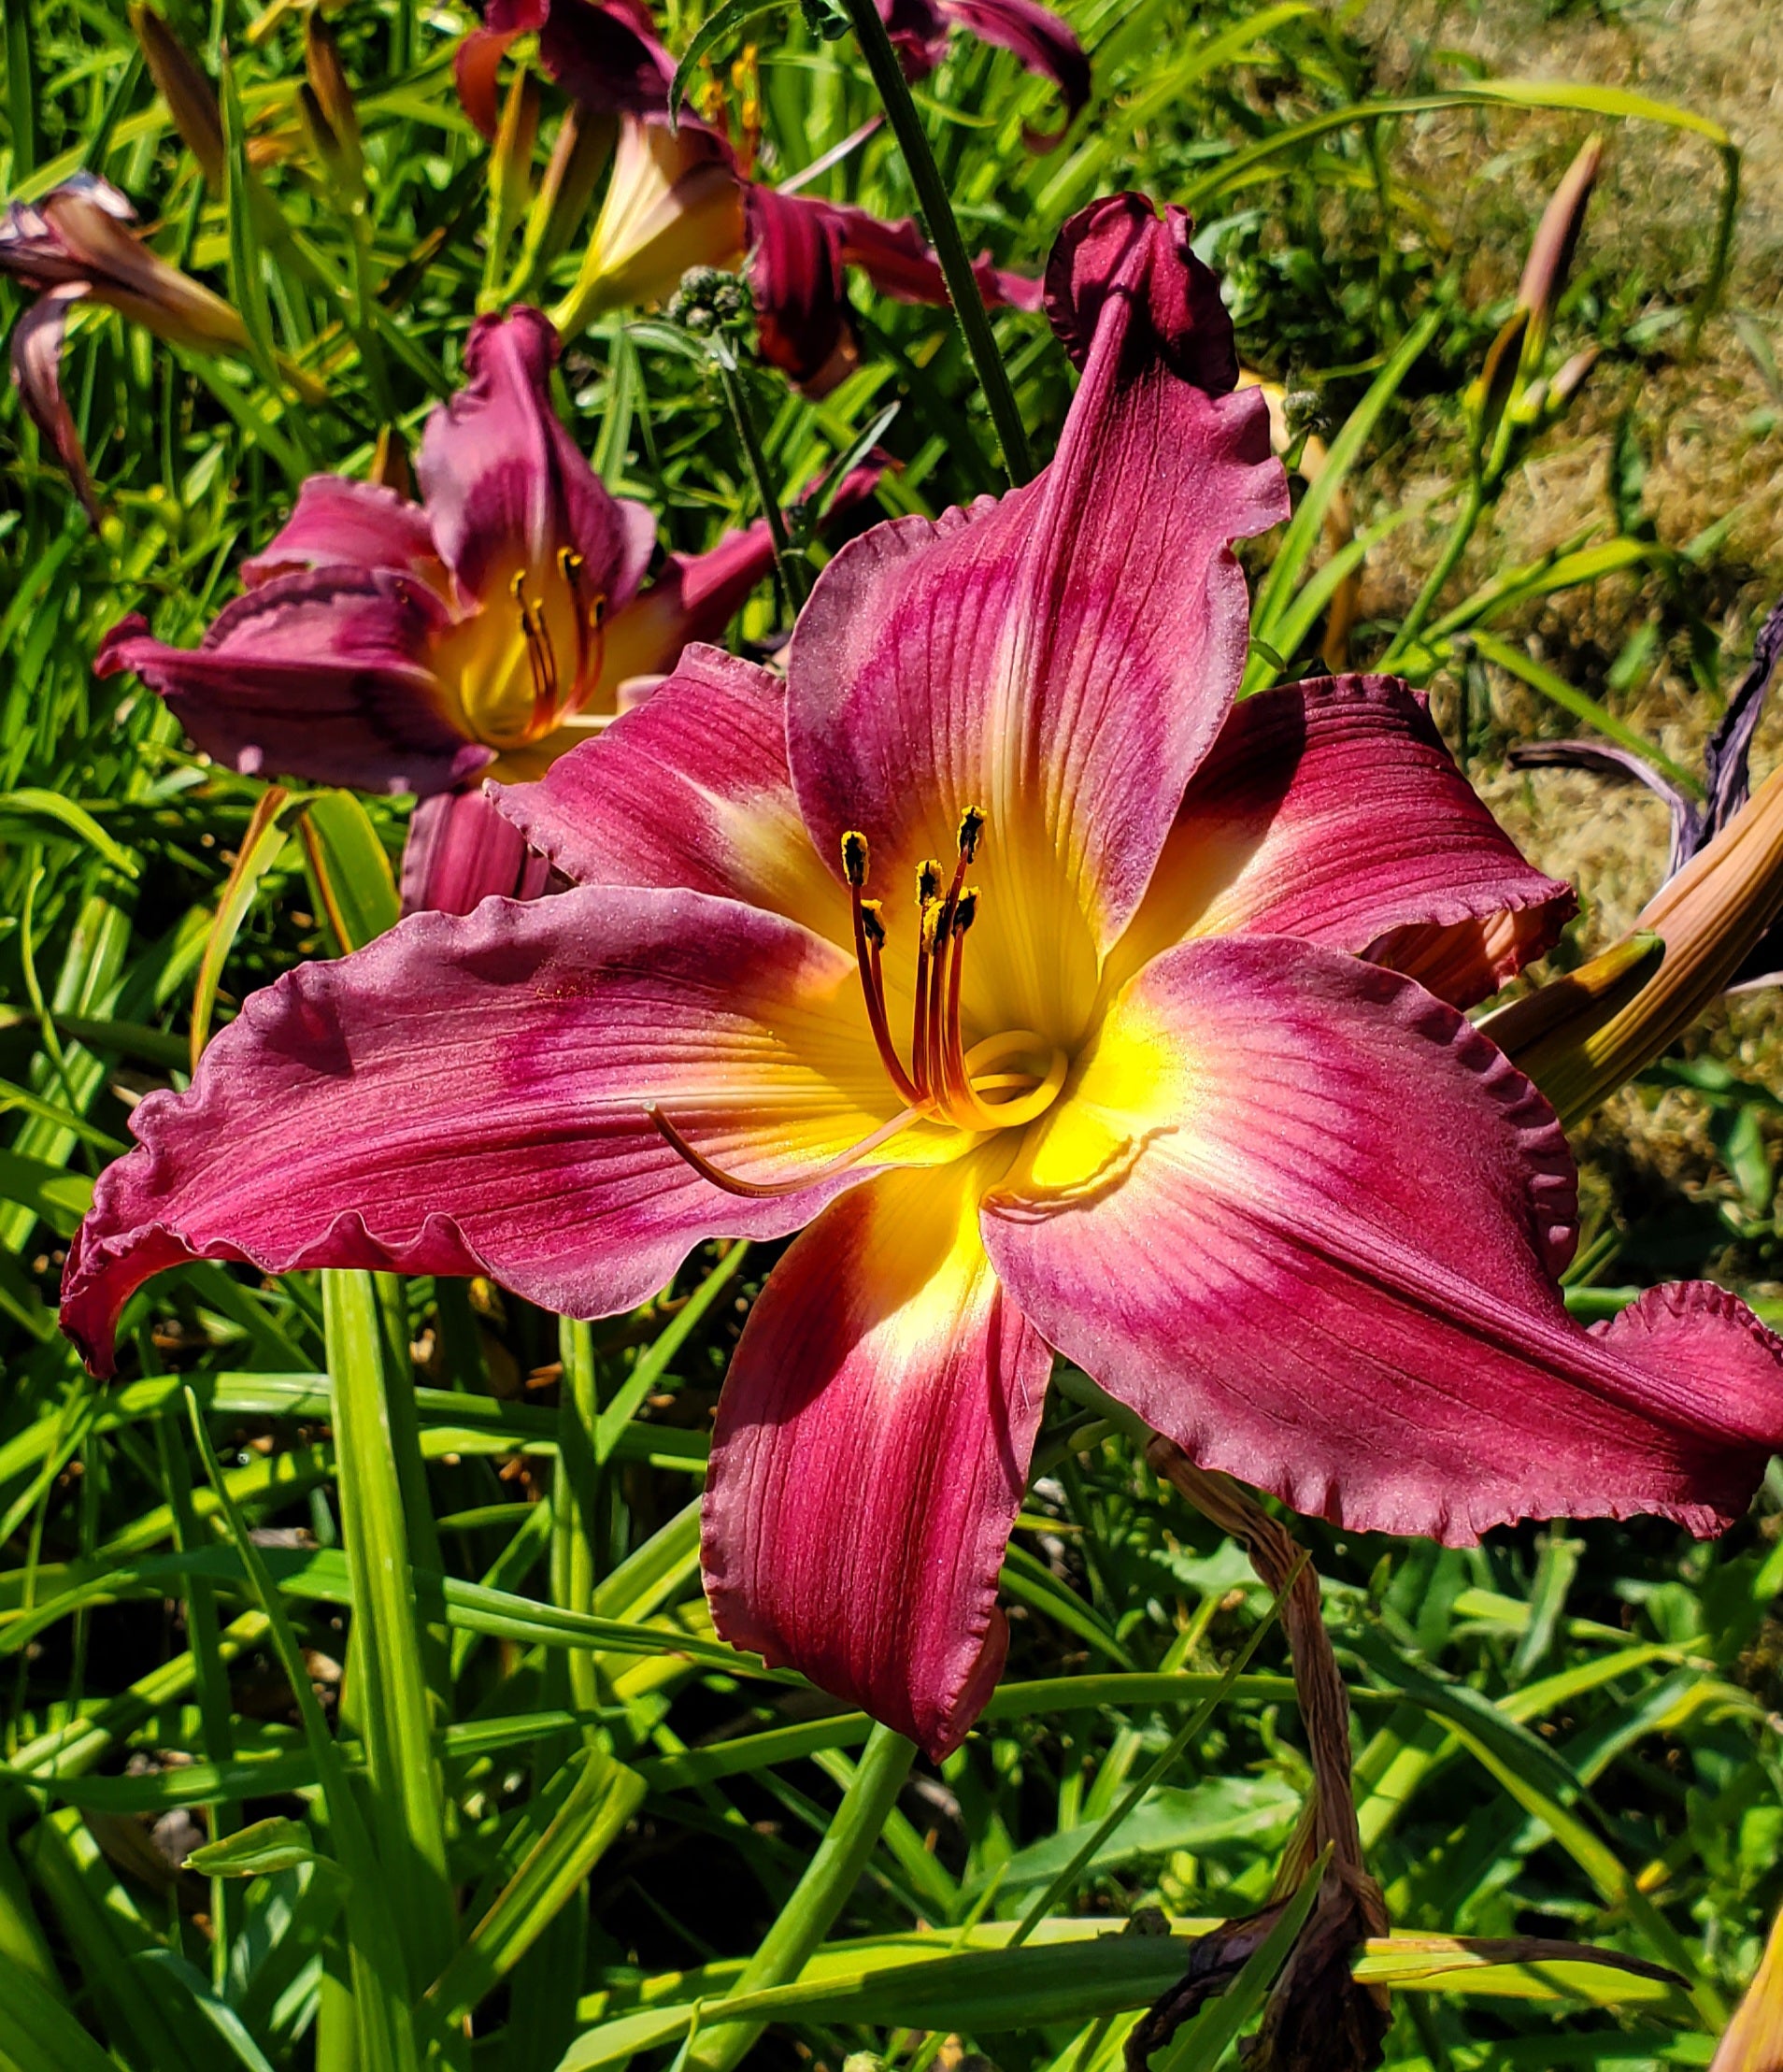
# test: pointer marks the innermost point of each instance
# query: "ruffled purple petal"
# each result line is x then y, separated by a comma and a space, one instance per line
469, 1095
1043, 42
323, 675
343, 524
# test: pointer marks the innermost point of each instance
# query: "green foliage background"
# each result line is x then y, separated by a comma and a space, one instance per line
389, 1590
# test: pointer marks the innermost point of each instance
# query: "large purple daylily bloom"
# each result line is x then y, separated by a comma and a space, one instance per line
1187, 1094
402, 647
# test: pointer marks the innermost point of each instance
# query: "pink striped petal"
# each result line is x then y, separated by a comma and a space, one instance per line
1062, 659
461, 852
343, 524
324, 676
1330, 810
689, 788
1305, 1220
870, 1454
468, 1095
503, 483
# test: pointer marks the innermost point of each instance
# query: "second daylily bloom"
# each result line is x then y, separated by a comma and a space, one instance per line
1070, 1006
677, 199
398, 647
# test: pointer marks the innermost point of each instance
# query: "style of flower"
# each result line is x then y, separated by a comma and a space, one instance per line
76, 244
1061, 1003
677, 199
401, 646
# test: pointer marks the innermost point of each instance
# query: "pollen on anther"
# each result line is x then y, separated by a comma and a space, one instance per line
928, 881
966, 912
971, 832
873, 920
854, 856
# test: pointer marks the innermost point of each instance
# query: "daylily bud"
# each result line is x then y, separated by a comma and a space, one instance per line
1571, 377
1550, 255
331, 99
1709, 916
510, 169
191, 100
1490, 395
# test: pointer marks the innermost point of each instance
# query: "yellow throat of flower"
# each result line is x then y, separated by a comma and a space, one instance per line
530, 658
1001, 1082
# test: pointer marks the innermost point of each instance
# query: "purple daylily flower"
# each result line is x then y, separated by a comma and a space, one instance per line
1045, 44
401, 646
677, 199
606, 53
1726, 782
1187, 1091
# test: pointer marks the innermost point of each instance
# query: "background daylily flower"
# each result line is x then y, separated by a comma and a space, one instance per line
400, 647
77, 243
1044, 43
1186, 1094
607, 54
677, 199
604, 52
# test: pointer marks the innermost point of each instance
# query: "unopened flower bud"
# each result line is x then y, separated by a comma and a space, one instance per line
709, 302
331, 98
191, 98
1550, 253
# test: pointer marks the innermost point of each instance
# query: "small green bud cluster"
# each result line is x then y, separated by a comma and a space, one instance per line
709, 302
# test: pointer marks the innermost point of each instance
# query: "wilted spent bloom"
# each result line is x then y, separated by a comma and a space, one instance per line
76, 244
1716, 915
1059, 1000
191, 98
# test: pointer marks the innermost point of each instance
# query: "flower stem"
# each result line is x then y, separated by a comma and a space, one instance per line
943, 233
1467, 519
789, 575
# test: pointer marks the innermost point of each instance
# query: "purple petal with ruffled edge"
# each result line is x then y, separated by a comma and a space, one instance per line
323, 675
690, 788
343, 524
1305, 1220
608, 57
1330, 810
795, 279
505, 485
460, 851
1043, 42
870, 1453
469, 1095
